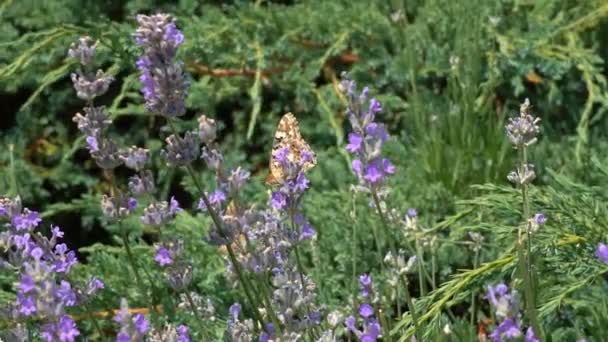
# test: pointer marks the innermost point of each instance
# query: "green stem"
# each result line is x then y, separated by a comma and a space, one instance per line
297, 253
384, 222
94, 320
412, 308
354, 260
246, 285
197, 314
473, 295
266, 297
131, 259
421, 270
218, 224
525, 254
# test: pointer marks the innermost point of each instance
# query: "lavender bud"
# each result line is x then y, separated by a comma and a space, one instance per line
213, 158
105, 152
179, 276
207, 129
159, 213
89, 87
10, 207
522, 176
237, 180
84, 51
181, 152
522, 130
96, 119
117, 207
142, 184
135, 157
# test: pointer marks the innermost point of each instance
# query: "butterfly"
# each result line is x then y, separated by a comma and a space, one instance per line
288, 136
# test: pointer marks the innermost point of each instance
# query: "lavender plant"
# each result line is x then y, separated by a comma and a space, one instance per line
264, 242
522, 132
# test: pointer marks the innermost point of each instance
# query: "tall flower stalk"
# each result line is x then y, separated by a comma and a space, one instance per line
522, 132
106, 153
365, 142
164, 89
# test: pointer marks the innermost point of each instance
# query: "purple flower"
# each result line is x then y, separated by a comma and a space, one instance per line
64, 259
374, 106
163, 257
25, 305
350, 323
367, 138
508, 328
602, 252
412, 212
36, 253
217, 197
301, 182
131, 204
278, 200
27, 220
365, 282
141, 323
26, 284
373, 174
357, 166
160, 213
182, 333
282, 154
92, 143
235, 311
530, 336
366, 310
56, 232
173, 35
355, 142
540, 218
307, 231
65, 294
64, 330
377, 131
95, 284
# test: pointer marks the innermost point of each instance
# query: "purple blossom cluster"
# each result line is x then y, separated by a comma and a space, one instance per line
286, 199
163, 79
369, 330
43, 291
506, 309
170, 257
367, 137
170, 333
132, 328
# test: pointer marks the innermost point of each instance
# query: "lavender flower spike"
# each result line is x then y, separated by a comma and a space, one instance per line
163, 79
367, 138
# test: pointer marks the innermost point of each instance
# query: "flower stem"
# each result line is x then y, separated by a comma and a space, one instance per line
412, 308
218, 224
525, 253
197, 314
473, 295
297, 253
384, 222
